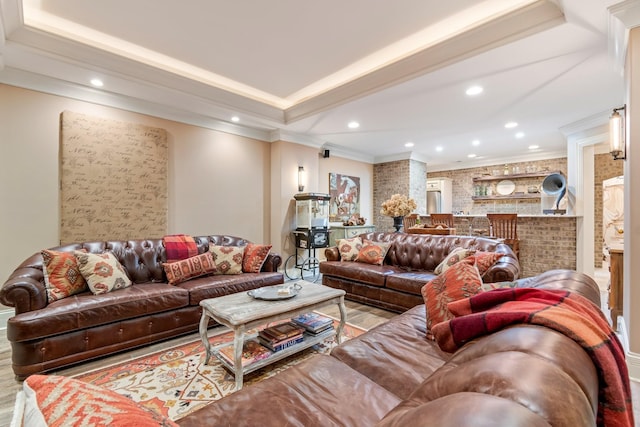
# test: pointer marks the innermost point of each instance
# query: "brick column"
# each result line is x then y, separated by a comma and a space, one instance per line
407, 177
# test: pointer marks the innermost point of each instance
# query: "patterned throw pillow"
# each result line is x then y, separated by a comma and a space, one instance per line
228, 259
349, 248
372, 252
254, 257
196, 266
484, 260
55, 400
461, 280
102, 272
62, 277
454, 257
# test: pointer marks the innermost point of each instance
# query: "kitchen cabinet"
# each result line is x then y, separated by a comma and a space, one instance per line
347, 232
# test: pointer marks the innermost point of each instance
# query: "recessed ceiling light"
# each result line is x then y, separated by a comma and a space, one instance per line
439, 148
97, 82
471, 156
534, 147
520, 135
409, 144
510, 125
235, 119
475, 142
353, 125
474, 90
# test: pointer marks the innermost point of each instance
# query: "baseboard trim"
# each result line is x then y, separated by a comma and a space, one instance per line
633, 359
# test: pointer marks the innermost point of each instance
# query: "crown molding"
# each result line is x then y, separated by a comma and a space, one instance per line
622, 17
66, 89
505, 29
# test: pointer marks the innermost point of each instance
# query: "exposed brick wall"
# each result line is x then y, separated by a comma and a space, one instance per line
463, 187
388, 179
402, 177
604, 168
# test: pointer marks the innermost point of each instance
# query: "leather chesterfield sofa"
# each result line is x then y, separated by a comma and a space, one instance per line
409, 264
522, 375
84, 326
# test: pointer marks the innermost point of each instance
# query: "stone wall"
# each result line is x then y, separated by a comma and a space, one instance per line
604, 168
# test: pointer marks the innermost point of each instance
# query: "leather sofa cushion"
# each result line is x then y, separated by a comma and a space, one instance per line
321, 391
462, 410
86, 310
374, 275
217, 286
400, 343
409, 282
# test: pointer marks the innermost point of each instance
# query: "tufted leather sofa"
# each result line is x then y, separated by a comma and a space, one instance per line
408, 265
47, 336
523, 375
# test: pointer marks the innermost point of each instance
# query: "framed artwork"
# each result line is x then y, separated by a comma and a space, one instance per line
345, 196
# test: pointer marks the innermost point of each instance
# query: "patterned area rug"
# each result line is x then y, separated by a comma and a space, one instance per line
174, 382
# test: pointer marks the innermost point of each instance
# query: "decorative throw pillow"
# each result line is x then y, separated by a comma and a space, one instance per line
103, 272
196, 266
55, 400
372, 252
254, 256
349, 248
228, 259
461, 280
62, 277
455, 256
484, 260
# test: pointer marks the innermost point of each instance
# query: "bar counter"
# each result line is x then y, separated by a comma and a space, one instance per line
546, 241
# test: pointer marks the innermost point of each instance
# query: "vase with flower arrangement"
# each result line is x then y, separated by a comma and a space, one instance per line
397, 207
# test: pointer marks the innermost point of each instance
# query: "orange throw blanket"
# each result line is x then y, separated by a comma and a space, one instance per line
179, 246
566, 312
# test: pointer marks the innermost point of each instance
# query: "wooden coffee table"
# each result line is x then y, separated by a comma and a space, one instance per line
241, 312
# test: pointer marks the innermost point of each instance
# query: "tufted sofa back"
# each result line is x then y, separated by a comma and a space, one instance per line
142, 259
426, 251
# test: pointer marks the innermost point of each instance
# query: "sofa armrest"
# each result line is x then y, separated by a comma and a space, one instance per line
507, 269
272, 262
23, 291
332, 253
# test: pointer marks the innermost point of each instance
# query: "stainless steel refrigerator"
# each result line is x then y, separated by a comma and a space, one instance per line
439, 195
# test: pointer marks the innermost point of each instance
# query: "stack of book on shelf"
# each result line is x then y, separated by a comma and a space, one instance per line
252, 351
279, 337
314, 323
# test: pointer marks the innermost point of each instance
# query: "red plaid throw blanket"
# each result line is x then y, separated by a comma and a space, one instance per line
179, 246
566, 312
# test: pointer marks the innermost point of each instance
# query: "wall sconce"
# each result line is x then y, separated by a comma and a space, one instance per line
617, 133
300, 178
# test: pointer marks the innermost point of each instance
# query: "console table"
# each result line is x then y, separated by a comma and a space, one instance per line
348, 231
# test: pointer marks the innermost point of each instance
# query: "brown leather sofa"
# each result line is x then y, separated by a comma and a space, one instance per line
408, 265
85, 326
523, 375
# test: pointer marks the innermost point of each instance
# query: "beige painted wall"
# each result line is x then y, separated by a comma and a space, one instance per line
218, 183
285, 159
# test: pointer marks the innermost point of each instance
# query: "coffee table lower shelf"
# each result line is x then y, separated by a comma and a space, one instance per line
309, 341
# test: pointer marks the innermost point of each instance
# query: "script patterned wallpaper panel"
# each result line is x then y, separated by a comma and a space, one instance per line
113, 179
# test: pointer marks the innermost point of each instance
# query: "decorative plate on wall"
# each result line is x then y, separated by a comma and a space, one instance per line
505, 187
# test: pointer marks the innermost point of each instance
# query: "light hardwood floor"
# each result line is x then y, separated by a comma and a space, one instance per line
357, 314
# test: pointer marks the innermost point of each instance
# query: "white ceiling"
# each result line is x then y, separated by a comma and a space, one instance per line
301, 71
